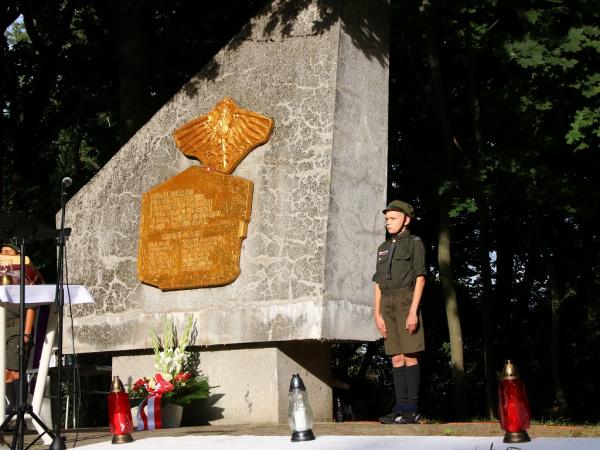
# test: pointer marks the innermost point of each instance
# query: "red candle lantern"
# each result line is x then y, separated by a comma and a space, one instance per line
119, 413
513, 405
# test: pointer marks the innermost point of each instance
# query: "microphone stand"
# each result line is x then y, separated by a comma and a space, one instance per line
22, 407
58, 443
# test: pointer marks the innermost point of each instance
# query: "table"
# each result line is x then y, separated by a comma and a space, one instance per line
35, 295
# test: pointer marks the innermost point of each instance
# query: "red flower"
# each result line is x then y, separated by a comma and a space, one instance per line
161, 386
182, 376
138, 384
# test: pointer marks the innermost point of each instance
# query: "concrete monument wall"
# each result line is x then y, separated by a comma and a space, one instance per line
319, 187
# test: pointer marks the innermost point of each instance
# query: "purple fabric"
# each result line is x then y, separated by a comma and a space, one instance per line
40, 336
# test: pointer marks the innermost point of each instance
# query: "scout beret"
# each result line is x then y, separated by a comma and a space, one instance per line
400, 206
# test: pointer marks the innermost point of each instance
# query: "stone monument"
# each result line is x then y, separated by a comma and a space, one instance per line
319, 186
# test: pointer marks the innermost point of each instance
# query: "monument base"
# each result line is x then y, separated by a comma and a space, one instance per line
251, 381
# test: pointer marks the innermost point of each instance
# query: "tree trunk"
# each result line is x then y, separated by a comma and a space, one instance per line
556, 299
484, 254
587, 232
367, 360
505, 254
561, 405
487, 310
452, 314
135, 69
2, 165
8, 14
444, 244
76, 152
28, 122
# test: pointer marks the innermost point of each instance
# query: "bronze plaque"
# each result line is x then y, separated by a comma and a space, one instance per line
191, 230
192, 225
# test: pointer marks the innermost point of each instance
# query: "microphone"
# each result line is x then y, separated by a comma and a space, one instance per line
66, 182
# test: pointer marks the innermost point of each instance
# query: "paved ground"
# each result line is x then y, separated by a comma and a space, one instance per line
90, 436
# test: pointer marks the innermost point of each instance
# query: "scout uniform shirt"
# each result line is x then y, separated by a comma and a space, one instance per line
400, 260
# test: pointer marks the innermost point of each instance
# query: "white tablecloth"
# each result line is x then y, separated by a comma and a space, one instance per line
43, 294
220, 442
36, 294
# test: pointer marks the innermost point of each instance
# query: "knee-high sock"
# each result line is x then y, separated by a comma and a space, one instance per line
413, 382
11, 393
399, 374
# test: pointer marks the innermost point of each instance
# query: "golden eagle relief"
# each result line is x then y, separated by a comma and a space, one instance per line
224, 136
192, 225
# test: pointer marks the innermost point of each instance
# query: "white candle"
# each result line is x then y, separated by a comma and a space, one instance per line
300, 423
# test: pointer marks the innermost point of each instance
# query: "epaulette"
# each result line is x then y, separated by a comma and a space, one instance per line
416, 238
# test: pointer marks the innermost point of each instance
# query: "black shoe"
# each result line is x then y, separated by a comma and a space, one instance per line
391, 417
408, 418
10, 410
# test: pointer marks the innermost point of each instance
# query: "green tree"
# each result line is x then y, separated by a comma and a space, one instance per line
515, 163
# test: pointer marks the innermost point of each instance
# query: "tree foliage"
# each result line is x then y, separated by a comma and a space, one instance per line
521, 82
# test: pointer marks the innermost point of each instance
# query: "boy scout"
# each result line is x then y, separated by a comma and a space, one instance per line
399, 281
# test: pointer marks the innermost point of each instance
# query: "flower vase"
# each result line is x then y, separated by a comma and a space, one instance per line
134, 411
171, 415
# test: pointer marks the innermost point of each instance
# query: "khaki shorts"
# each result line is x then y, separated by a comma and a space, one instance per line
12, 344
395, 305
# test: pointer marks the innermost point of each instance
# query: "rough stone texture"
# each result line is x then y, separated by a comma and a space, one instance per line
358, 172
253, 383
319, 185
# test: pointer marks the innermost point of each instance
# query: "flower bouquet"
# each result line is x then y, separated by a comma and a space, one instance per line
177, 381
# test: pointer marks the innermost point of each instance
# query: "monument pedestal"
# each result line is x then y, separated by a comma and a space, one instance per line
253, 380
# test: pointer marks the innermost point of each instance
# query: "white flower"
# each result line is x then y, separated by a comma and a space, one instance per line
170, 358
